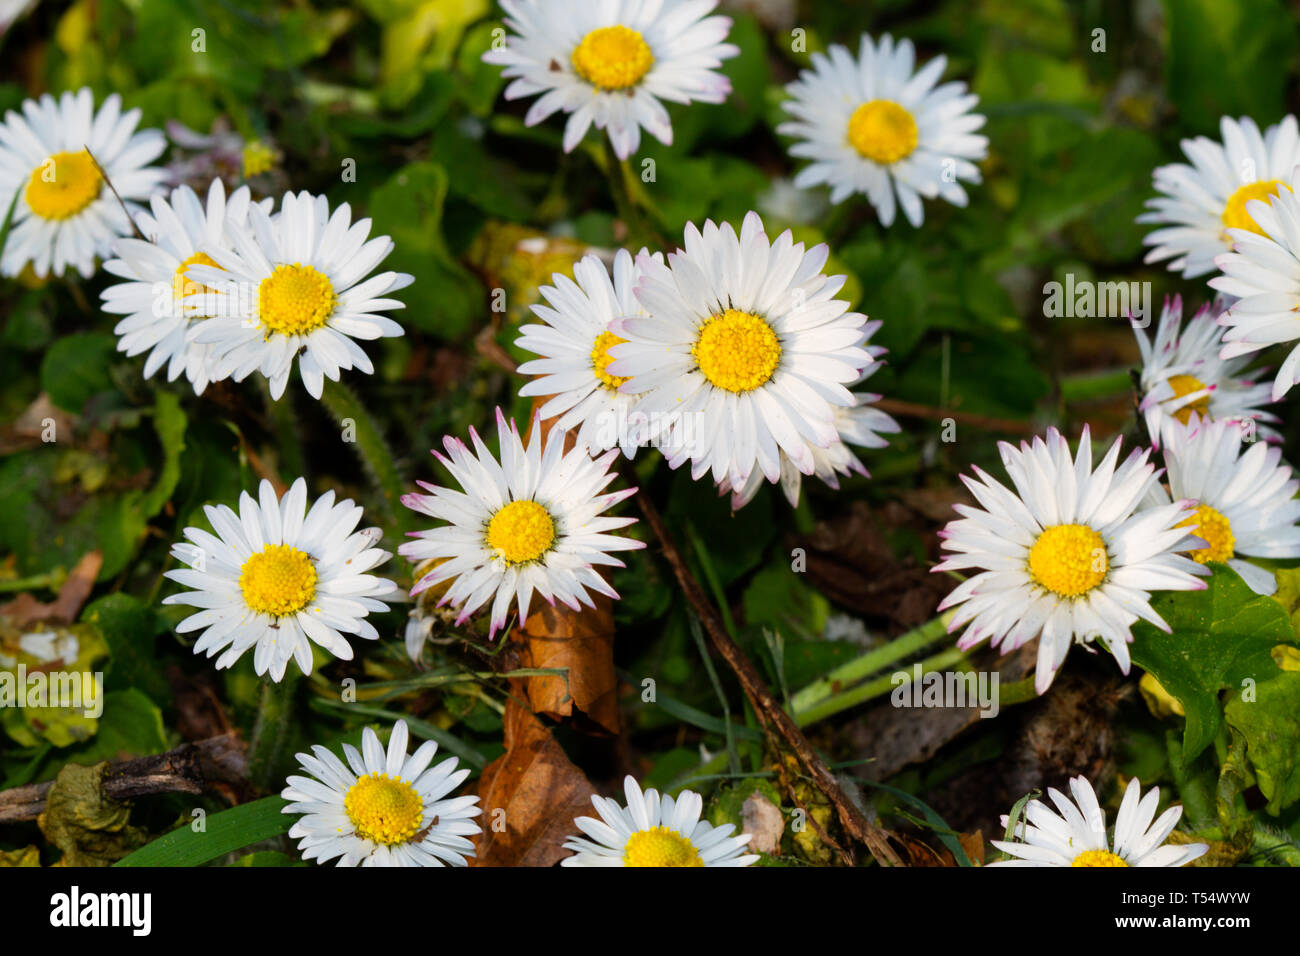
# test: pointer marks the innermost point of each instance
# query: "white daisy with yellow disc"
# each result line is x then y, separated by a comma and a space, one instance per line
1263, 274
654, 830
296, 285
1183, 375
1066, 557
746, 343
381, 808
1074, 834
1244, 495
574, 345
878, 126
54, 157
157, 282
532, 522
611, 64
277, 577
1201, 204
859, 425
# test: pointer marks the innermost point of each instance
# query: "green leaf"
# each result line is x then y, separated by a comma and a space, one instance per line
76, 368
1269, 720
1221, 637
129, 628
1229, 59
169, 423
446, 299
222, 833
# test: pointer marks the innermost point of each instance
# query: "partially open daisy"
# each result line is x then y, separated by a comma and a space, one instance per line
878, 126
533, 522
381, 809
574, 345
860, 425
276, 576
295, 286
54, 156
1201, 204
1245, 502
610, 64
654, 830
1064, 557
1183, 375
747, 345
152, 299
1263, 273
1075, 833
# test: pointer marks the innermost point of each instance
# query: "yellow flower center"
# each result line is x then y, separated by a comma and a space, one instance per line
1098, 858
1217, 532
384, 809
1186, 385
278, 580
182, 285
660, 846
613, 58
295, 299
258, 158
882, 131
1235, 215
520, 532
1068, 559
737, 351
63, 185
600, 359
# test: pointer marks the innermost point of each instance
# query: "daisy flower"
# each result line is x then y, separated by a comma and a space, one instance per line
276, 575
611, 64
1200, 205
745, 339
1263, 273
878, 126
1245, 503
1183, 375
1076, 835
654, 831
532, 522
54, 157
574, 347
294, 286
859, 425
1064, 556
381, 809
151, 299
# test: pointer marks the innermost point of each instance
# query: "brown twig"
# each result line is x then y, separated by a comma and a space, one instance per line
769, 711
190, 768
987, 422
109, 183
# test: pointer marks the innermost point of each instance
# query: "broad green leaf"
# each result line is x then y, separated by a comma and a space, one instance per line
445, 300
76, 368
1221, 637
1269, 720
129, 627
1229, 59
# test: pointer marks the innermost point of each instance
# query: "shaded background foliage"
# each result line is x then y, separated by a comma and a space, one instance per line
1082, 99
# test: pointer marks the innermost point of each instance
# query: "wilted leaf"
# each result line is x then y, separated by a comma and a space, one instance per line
25, 610
90, 828
530, 796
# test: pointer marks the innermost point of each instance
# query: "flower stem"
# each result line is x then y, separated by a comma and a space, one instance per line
875, 660
864, 692
268, 749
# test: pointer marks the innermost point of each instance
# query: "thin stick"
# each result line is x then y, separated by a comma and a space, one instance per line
190, 768
769, 711
987, 422
126, 212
